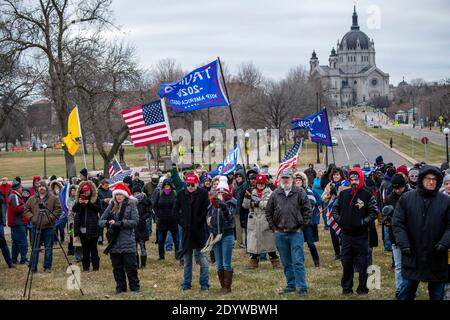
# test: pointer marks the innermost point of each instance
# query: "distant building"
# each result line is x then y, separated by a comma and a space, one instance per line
352, 77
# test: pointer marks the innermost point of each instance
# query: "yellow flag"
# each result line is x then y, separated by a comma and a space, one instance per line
73, 132
180, 153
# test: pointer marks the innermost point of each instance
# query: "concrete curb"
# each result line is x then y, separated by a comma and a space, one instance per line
401, 154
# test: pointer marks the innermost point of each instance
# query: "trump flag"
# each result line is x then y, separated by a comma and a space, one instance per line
318, 127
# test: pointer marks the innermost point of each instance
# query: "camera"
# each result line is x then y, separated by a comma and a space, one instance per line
387, 213
41, 205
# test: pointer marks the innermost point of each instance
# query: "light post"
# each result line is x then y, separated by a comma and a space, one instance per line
44, 146
446, 132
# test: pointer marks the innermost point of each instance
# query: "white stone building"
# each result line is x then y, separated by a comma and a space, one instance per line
351, 76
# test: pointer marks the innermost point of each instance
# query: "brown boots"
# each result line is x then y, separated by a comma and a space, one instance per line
275, 263
253, 264
225, 279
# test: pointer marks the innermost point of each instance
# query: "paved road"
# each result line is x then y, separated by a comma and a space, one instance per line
356, 147
435, 137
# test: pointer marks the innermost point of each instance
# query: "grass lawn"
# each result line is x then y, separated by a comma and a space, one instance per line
410, 146
162, 279
28, 164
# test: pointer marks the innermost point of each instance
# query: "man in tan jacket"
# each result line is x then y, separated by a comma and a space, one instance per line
42, 209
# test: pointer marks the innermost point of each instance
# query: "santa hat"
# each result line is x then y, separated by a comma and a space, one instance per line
223, 184
261, 178
122, 189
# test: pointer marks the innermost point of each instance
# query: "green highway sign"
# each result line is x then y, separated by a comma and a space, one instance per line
217, 125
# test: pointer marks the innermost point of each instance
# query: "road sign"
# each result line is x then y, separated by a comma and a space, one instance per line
425, 140
396, 123
217, 125
441, 118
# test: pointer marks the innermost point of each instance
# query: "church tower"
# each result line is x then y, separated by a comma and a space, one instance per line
313, 62
333, 60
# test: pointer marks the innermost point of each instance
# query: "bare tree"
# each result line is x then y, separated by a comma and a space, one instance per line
42, 29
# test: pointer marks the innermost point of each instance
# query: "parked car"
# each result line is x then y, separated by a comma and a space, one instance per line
377, 125
127, 143
334, 141
338, 126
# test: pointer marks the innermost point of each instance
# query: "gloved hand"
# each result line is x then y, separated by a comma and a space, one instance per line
440, 248
365, 221
118, 225
406, 252
247, 194
333, 190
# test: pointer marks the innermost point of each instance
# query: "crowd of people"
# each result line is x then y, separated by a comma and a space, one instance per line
206, 218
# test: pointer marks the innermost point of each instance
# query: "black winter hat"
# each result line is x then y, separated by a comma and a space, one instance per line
18, 179
398, 181
16, 185
379, 160
390, 171
84, 172
128, 180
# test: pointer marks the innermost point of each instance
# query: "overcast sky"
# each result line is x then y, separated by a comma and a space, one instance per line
412, 38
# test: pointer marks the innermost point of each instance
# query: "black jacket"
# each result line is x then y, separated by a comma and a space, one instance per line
221, 218
163, 206
87, 215
103, 194
192, 210
144, 210
291, 213
392, 200
238, 194
421, 221
354, 212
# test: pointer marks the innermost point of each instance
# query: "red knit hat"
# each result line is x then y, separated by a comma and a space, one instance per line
122, 189
191, 178
261, 178
403, 169
86, 187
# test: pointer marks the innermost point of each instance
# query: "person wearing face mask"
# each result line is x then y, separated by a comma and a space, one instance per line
353, 211
260, 238
413, 176
446, 183
220, 221
421, 225
288, 213
163, 205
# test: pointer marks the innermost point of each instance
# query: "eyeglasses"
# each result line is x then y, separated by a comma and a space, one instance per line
430, 179
190, 185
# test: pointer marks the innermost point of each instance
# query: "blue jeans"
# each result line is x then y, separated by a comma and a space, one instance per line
4, 246
223, 252
308, 235
46, 237
200, 258
59, 231
169, 241
290, 247
387, 241
397, 253
19, 244
4, 212
409, 288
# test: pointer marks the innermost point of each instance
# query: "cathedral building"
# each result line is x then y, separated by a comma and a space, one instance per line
351, 77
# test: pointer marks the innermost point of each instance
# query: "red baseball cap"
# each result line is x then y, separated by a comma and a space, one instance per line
192, 178
86, 187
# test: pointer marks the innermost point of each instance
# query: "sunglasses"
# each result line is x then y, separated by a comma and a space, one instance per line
414, 176
190, 185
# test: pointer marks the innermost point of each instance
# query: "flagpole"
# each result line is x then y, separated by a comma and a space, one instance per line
234, 123
81, 134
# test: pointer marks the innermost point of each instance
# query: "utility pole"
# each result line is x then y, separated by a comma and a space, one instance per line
318, 148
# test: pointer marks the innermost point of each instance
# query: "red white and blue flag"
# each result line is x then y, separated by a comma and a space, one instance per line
148, 123
291, 158
114, 168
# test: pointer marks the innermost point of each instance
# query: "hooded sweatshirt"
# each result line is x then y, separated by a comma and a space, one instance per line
354, 209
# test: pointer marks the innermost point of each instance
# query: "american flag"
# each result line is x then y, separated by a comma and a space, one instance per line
114, 168
291, 157
119, 178
330, 220
148, 123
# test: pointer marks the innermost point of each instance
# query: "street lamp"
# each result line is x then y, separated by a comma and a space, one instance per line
446, 132
44, 146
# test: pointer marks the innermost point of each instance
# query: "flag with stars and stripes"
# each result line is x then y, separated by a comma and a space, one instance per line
291, 157
119, 178
148, 123
114, 168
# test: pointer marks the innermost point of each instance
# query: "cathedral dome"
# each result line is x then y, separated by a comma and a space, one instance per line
351, 38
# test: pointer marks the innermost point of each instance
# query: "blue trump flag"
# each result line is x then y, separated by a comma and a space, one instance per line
229, 165
318, 127
197, 90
